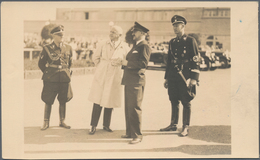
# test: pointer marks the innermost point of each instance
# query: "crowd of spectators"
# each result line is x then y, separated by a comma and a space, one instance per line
85, 49
81, 49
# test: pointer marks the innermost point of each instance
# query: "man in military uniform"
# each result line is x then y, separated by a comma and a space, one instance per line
182, 74
55, 62
134, 81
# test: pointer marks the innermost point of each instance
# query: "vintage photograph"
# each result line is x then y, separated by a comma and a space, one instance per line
128, 81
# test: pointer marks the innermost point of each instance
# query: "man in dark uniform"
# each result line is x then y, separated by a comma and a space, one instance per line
55, 62
134, 81
182, 74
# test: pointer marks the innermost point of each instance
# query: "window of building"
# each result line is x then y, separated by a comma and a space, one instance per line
213, 43
216, 12
86, 15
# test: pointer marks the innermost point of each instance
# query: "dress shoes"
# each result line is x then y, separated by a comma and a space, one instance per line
62, 124
92, 130
107, 129
135, 141
125, 136
185, 131
169, 128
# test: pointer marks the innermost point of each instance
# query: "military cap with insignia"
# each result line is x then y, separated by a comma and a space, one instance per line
178, 19
57, 29
139, 27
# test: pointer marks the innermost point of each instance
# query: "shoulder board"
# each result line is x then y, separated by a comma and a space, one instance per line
172, 40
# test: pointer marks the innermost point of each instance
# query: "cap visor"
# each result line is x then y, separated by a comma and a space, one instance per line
177, 22
60, 32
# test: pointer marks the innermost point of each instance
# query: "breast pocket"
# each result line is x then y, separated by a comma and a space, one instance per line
135, 55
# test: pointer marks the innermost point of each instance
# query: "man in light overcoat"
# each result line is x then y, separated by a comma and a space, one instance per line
106, 90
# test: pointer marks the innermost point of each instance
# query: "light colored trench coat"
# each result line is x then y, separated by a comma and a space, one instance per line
106, 87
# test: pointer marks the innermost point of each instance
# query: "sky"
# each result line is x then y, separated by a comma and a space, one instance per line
40, 13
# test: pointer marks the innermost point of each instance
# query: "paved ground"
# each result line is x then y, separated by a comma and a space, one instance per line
210, 131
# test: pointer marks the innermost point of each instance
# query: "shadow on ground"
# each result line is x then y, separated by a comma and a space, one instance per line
33, 135
218, 134
156, 68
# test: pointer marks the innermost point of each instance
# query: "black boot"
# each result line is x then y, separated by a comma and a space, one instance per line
186, 119
62, 110
47, 113
185, 131
186, 114
174, 118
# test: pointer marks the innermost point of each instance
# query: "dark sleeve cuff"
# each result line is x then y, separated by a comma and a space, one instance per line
195, 75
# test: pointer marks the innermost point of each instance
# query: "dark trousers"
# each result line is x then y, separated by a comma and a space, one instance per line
133, 110
96, 114
176, 93
52, 89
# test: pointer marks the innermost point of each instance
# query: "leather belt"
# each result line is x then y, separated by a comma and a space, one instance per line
179, 61
57, 66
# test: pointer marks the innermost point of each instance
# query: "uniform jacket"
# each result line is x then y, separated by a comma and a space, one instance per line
106, 87
58, 56
183, 54
138, 58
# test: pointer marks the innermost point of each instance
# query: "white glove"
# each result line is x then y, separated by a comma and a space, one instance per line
165, 84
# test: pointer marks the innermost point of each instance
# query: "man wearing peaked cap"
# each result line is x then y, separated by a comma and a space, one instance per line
106, 88
182, 74
178, 19
139, 27
57, 29
134, 80
55, 62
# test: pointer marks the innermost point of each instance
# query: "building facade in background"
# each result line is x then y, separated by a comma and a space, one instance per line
212, 25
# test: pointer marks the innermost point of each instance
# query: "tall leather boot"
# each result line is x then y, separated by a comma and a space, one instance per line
62, 111
47, 114
186, 119
174, 118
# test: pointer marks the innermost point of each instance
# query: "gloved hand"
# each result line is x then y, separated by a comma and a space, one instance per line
165, 84
192, 83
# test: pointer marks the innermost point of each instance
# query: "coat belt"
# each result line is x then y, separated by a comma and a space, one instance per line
58, 66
